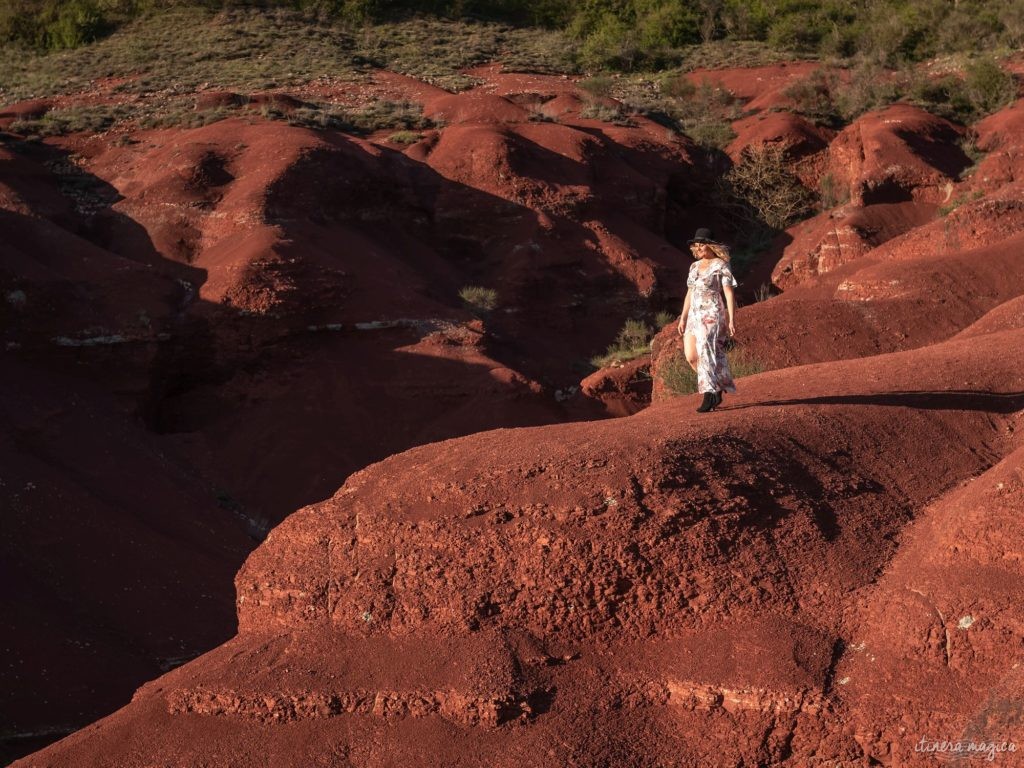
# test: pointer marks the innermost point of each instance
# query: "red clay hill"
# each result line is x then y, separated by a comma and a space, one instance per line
249, 311
821, 572
208, 328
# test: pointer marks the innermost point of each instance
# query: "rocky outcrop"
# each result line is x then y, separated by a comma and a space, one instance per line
842, 235
897, 154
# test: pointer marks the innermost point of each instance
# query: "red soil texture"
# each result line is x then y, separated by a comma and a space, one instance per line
630, 590
206, 329
761, 88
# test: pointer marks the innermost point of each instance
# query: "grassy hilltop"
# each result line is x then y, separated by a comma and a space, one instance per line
173, 47
615, 34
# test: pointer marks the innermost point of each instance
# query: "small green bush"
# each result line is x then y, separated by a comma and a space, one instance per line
677, 375
635, 333
607, 43
632, 341
405, 137
598, 85
945, 96
606, 113
680, 379
711, 133
743, 363
704, 112
988, 87
675, 86
663, 318
812, 96
632, 35
969, 145
479, 299
801, 33
826, 98
53, 26
77, 22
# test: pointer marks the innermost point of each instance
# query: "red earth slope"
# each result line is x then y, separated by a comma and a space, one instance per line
621, 591
293, 310
249, 311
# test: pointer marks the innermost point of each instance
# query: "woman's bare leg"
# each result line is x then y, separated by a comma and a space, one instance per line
690, 349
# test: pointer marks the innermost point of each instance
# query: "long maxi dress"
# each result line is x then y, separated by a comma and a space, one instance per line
708, 321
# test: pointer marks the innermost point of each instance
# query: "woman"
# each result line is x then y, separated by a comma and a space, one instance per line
707, 318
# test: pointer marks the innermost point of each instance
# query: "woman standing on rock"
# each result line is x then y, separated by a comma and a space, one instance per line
707, 318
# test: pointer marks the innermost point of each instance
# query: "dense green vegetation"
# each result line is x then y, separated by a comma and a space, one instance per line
613, 34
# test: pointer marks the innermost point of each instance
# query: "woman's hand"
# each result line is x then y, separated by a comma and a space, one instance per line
681, 325
732, 329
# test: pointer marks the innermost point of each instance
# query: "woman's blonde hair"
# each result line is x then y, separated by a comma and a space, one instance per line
721, 250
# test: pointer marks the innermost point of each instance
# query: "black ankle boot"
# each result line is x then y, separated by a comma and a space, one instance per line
707, 404
718, 398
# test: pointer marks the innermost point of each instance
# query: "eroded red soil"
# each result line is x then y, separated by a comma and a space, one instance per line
206, 329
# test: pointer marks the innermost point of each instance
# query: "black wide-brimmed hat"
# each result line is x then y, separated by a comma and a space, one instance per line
703, 235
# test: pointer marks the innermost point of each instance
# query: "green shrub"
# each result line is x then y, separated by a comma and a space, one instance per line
988, 87
945, 96
812, 96
711, 133
78, 22
743, 363
675, 86
607, 113
971, 26
969, 145
632, 34
799, 32
901, 31
598, 85
745, 19
870, 87
984, 88
609, 43
704, 113
53, 26
635, 333
632, 341
677, 375
680, 379
479, 299
663, 318
405, 137
667, 24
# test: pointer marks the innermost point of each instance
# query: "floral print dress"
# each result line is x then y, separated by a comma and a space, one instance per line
708, 321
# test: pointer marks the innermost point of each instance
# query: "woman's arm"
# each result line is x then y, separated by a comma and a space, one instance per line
730, 305
681, 327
